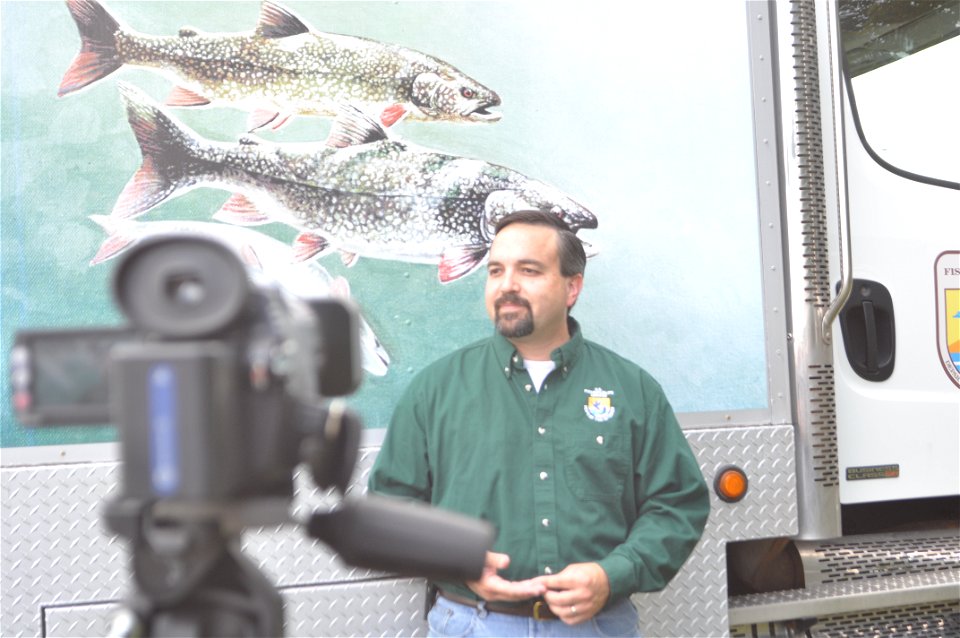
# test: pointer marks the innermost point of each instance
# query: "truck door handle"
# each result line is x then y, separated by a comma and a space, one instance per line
870, 334
867, 326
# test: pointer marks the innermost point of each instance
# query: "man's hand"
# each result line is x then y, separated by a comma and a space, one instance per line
577, 593
491, 586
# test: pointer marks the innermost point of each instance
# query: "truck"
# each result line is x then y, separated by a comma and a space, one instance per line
777, 187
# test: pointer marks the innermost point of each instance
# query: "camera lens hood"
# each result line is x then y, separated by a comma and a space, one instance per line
181, 286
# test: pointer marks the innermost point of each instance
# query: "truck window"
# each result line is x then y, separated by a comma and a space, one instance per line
901, 60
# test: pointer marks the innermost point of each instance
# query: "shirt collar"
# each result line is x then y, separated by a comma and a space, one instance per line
565, 356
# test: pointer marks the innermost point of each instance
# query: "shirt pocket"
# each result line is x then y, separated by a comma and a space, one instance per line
597, 463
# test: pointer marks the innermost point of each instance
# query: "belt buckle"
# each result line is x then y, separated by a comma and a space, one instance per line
538, 607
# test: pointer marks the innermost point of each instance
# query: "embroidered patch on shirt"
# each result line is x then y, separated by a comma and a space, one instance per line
599, 407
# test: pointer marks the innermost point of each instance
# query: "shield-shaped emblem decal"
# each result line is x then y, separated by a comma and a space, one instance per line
599, 407
948, 313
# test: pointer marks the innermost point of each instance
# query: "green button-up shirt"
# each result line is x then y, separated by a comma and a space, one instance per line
593, 468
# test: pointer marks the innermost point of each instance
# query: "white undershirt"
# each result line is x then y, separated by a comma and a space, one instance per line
538, 370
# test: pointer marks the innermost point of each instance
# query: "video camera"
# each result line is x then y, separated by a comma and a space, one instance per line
221, 385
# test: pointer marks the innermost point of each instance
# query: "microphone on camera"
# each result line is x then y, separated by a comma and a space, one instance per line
405, 537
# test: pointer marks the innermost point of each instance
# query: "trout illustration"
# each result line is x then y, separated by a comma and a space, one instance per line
260, 253
362, 193
283, 68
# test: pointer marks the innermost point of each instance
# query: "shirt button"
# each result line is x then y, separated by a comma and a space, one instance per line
543, 476
600, 440
547, 570
528, 387
541, 430
545, 522
507, 369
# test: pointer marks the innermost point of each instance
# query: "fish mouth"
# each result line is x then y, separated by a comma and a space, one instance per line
590, 250
482, 114
589, 223
481, 111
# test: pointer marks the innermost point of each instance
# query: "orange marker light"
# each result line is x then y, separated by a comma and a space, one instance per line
731, 484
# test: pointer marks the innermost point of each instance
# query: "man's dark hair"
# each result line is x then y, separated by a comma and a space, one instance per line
573, 258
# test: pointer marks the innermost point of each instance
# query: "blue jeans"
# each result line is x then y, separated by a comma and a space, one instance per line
450, 619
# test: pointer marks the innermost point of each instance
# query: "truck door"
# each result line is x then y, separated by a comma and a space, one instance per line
897, 341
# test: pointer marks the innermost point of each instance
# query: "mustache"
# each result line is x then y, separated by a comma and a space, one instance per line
511, 298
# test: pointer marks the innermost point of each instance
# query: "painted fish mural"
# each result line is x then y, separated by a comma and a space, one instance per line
259, 252
363, 193
283, 68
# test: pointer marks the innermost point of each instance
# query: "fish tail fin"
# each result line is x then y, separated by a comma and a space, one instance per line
166, 146
98, 55
118, 238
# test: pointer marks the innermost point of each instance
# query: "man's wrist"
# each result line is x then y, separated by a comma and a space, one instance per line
620, 578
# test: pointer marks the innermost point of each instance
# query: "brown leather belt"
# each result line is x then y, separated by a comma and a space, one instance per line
536, 609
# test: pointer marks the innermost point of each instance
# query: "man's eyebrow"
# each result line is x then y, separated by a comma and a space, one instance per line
532, 262
520, 262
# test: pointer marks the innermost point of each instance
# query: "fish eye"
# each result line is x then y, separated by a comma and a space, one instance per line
467, 93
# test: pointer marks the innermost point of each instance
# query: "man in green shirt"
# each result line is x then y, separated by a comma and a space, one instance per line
571, 451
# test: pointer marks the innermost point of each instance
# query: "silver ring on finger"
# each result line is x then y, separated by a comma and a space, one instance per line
573, 610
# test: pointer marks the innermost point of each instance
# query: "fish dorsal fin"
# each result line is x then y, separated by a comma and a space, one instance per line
277, 22
353, 127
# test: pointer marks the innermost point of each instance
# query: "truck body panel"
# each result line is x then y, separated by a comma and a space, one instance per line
730, 287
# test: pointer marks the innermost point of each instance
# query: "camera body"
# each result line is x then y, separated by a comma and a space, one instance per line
221, 385
214, 384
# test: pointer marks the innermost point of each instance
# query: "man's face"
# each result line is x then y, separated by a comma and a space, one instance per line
527, 298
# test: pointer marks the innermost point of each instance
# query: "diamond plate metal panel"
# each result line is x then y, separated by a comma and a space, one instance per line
57, 557
54, 547
75, 621
381, 608
695, 601
767, 455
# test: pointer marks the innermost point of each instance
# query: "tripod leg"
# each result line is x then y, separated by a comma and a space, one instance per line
233, 599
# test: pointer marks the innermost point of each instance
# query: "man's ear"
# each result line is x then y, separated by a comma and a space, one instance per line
574, 286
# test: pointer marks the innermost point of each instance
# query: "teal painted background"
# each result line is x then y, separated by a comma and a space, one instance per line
624, 115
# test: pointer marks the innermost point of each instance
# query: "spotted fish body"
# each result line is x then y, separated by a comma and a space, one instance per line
365, 195
281, 69
260, 253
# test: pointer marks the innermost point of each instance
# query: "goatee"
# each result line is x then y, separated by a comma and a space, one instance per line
520, 325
